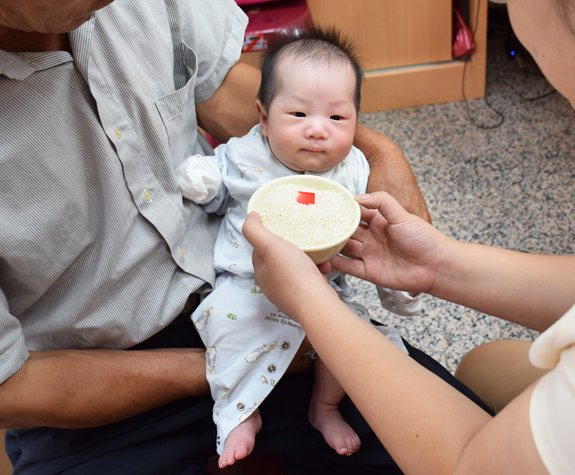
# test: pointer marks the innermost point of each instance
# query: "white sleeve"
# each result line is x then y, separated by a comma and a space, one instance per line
552, 415
552, 405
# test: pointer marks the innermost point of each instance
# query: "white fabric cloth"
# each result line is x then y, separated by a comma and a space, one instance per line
400, 302
552, 406
250, 343
199, 179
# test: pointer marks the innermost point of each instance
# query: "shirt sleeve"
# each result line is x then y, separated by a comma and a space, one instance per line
215, 31
361, 166
222, 199
552, 415
13, 352
551, 412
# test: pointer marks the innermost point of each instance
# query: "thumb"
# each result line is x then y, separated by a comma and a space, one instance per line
255, 232
388, 206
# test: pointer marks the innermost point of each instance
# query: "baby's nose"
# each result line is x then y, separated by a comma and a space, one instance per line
317, 129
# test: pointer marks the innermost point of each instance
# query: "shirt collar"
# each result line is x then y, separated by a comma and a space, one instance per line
20, 66
13, 66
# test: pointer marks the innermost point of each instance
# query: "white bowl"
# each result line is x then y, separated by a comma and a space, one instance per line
323, 253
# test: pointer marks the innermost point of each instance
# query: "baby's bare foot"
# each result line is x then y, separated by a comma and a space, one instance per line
337, 433
241, 440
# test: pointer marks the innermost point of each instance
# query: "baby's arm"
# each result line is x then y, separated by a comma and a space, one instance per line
200, 179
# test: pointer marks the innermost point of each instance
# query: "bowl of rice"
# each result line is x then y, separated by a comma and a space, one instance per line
320, 229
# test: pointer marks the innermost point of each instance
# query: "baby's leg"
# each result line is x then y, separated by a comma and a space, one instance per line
324, 414
241, 440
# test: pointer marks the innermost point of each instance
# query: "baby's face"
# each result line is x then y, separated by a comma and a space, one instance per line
311, 121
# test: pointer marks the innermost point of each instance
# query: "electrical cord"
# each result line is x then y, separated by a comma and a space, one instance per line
501, 117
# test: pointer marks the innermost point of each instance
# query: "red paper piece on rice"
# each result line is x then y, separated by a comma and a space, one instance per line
305, 198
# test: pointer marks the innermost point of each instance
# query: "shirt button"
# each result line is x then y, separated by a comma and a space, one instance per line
240, 406
285, 345
148, 195
181, 249
271, 368
118, 132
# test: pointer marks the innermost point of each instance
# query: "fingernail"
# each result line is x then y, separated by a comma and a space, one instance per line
362, 197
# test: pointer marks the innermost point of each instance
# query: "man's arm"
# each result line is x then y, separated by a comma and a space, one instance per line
390, 171
88, 388
231, 111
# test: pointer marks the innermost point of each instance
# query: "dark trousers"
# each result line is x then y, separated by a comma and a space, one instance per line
178, 438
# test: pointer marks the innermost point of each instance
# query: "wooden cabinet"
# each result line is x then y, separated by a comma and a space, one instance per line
391, 33
405, 46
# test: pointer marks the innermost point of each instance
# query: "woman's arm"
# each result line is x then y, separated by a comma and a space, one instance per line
426, 425
399, 250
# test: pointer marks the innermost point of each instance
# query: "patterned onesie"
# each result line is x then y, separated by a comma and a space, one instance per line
249, 342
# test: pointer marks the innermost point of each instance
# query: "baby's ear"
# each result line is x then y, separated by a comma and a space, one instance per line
263, 117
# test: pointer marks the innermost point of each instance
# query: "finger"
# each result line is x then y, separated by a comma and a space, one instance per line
368, 214
389, 208
360, 232
257, 261
324, 267
256, 233
352, 249
353, 267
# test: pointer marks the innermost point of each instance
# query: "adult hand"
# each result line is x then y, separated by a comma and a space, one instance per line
394, 249
285, 274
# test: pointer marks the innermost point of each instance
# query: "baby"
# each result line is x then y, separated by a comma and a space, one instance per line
308, 104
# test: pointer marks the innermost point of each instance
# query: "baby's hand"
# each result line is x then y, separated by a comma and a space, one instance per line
199, 179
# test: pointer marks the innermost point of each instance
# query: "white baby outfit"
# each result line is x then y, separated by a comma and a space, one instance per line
249, 342
552, 406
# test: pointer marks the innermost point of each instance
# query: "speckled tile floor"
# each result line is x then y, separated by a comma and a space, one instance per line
512, 186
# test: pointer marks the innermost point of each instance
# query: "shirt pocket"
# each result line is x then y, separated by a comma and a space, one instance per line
177, 109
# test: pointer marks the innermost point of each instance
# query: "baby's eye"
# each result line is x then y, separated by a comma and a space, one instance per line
336, 117
298, 114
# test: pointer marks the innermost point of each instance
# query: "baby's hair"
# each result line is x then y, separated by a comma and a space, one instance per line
312, 44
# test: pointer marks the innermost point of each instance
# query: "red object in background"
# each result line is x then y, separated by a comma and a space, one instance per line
270, 18
463, 41
211, 140
249, 2
305, 198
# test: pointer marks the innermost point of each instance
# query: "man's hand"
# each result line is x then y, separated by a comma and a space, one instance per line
89, 388
390, 171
